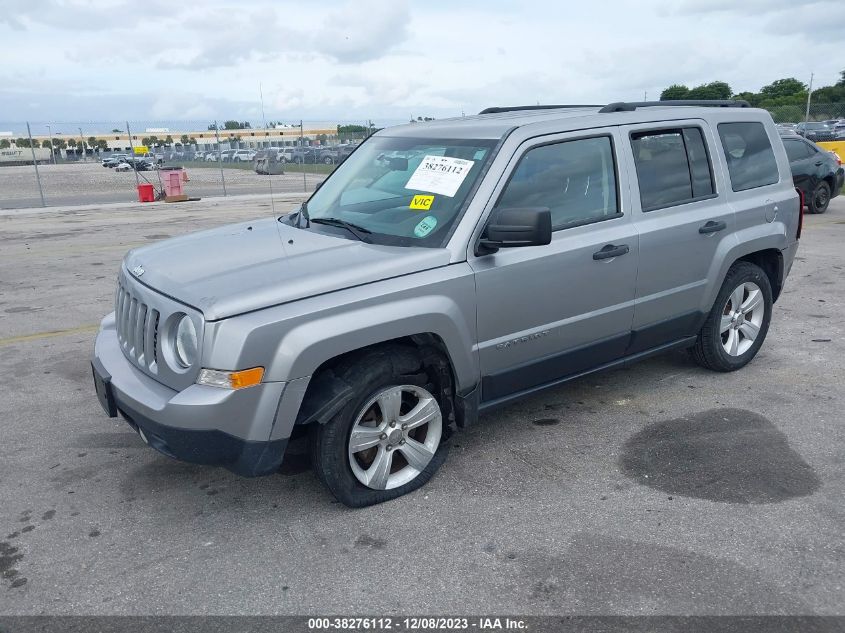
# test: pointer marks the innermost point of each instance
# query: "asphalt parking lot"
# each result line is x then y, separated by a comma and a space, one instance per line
658, 489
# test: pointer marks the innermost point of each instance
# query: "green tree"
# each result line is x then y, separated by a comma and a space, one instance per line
236, 125
72, 142
674, 93
92, 141
102, 145
193, 141
184, 139
783, 88
168, 140
751, 97
713, 90
59, 143
4, 143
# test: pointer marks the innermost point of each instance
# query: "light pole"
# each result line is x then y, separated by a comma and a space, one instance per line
809, 94
82, 140
52, 151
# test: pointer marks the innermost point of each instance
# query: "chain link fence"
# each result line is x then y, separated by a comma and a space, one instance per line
66, 164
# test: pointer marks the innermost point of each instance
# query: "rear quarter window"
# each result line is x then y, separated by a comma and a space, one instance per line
749, 154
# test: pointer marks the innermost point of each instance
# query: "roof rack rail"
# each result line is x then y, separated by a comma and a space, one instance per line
497, 110
630, 106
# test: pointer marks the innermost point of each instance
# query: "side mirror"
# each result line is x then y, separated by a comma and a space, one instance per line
522, 226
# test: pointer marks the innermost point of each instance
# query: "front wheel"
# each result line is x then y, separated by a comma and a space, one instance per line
738, 322
389, 439
820, 199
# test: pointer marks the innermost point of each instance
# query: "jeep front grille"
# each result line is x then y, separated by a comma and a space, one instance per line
137, 328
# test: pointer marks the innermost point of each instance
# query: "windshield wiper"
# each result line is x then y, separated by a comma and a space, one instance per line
357, 231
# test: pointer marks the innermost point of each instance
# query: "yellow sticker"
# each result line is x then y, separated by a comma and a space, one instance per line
423, 203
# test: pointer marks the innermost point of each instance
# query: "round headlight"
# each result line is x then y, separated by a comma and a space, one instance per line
186, 342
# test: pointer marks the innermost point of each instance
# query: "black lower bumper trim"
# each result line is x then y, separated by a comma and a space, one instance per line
211, 447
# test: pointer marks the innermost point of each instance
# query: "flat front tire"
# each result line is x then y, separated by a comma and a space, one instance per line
737, 324
390, 438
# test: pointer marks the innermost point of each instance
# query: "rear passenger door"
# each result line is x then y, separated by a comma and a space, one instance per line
682, 223
798, 152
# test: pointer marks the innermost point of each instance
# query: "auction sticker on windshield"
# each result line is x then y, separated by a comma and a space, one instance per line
440, 174
425, 226
421, 203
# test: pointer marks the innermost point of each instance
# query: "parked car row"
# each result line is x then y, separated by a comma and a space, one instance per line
308, 155
125, 162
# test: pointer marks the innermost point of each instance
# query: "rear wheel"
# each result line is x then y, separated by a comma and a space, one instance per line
820, 199
738, 322
389, 439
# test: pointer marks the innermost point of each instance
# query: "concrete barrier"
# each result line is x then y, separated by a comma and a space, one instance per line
834, 146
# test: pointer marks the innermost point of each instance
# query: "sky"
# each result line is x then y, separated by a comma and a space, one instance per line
337, 60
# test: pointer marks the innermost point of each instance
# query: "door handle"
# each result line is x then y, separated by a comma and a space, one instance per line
712, 227
608, 251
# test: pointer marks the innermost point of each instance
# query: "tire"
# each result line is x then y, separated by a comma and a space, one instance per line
820, 198
730, 349
380, 371
328, 160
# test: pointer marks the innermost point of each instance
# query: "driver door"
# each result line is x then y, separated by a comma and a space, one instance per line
546, 313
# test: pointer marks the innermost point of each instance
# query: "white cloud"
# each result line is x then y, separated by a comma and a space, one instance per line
351, 60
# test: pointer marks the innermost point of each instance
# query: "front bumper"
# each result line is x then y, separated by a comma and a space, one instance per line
200, 424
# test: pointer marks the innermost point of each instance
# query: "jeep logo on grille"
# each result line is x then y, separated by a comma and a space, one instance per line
138, 271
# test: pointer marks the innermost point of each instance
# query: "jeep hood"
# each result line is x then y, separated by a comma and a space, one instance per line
252, 265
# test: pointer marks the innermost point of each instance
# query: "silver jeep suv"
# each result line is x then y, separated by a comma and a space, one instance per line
447, 268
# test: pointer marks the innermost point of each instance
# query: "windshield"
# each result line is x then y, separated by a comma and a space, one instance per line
817, 126
401, 191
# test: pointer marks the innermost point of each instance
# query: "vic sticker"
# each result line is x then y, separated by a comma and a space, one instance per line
421, 203
440, 174
425, 226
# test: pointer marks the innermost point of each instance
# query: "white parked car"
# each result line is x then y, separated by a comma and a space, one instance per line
243, 156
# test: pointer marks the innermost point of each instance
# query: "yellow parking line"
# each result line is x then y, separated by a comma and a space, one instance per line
34, 337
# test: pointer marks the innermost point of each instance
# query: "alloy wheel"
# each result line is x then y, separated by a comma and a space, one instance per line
395, 436
742, 317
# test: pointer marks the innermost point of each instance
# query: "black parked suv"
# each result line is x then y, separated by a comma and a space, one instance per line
815, 171
815, 131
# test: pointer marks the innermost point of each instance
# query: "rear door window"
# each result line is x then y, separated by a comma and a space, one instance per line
796, 150
673, 167
751, 160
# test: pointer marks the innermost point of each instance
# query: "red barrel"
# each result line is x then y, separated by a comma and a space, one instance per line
146, 193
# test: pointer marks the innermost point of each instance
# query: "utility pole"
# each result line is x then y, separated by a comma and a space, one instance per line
35, 163
132, 149
809, 94
302, 150
220, 158
52, 151
81, 138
